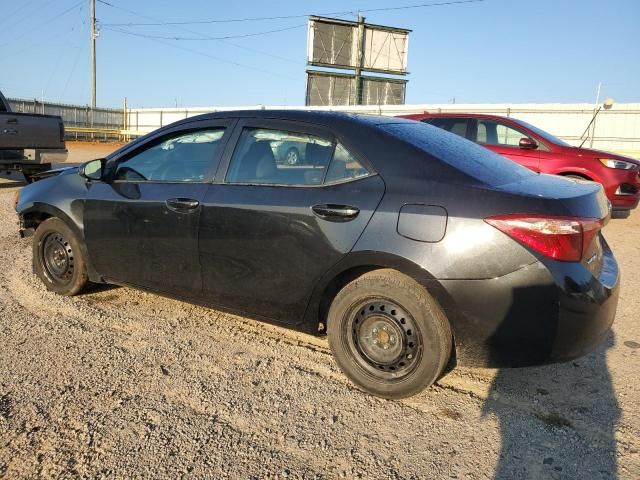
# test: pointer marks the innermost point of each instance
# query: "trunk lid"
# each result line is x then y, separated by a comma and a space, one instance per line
555, 195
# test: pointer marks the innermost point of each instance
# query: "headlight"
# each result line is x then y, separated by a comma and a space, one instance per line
618, 164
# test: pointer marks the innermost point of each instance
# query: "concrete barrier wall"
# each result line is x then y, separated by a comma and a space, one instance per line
617, 129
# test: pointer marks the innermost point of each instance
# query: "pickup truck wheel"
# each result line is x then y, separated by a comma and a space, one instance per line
58, 258
388, 335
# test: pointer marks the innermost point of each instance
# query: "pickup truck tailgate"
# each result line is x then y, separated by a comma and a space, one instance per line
25, 130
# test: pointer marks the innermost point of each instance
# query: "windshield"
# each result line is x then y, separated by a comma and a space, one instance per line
547, 136
464, 155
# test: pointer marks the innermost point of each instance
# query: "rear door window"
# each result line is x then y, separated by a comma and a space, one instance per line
459, 126
278, 157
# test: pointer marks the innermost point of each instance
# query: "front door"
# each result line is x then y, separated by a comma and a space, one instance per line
141, 225
272, 228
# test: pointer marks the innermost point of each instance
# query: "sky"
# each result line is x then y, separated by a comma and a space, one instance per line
491, 51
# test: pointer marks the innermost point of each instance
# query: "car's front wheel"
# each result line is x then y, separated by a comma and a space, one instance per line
58, 259
388, 335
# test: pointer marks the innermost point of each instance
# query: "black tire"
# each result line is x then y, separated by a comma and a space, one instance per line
58, 259
620, 214
577, 177
292, 157
388, 335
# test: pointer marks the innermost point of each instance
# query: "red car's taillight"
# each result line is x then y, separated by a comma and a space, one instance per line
562, 238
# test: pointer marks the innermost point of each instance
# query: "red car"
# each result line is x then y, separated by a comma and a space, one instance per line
542, 152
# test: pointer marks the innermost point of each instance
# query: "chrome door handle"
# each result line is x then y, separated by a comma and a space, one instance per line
182, 205
336, 213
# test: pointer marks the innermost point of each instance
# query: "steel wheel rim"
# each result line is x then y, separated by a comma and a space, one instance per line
57, 258
384, 339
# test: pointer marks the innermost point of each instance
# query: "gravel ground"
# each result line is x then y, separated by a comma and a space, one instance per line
123, 384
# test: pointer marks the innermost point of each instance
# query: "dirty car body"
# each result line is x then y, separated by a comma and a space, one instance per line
278, 244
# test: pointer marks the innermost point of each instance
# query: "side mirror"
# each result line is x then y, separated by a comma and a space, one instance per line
93, 169
527, 143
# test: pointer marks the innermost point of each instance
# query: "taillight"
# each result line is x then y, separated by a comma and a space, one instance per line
562, 238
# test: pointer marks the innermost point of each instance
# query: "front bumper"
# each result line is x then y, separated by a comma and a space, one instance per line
542, 313
624, 191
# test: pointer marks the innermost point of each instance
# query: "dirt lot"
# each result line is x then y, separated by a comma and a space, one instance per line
124, 384
82, 151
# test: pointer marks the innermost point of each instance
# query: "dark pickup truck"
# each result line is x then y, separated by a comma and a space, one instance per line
29, 143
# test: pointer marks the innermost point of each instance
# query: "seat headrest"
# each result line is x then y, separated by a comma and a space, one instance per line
317, 155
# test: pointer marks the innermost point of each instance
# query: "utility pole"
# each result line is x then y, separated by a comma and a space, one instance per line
360, 59
93, 56
596, 109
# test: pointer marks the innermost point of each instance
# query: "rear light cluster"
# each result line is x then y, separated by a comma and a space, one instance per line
562, 238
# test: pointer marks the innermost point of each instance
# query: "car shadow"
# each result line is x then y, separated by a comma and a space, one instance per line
94, 288
556, 421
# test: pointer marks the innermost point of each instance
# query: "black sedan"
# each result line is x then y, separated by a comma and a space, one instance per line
412, 248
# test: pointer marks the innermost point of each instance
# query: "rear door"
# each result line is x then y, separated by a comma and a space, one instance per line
269, 230
504, 138
141, 227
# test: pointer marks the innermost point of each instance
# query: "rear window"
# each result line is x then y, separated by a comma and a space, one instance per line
476, 161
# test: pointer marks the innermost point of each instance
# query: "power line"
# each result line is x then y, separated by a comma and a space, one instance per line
184, 29
421, 5
224, 37
283, 17
219, 59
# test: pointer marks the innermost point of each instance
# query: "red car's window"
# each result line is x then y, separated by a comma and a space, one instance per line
491, 132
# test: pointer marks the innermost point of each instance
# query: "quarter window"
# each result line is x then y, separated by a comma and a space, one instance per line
186, 157
344, 166
279, 157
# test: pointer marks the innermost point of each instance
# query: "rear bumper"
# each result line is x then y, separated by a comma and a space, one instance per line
536, 315
46, 155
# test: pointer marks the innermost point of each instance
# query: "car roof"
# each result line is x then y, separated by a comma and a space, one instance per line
318, 117
421, 116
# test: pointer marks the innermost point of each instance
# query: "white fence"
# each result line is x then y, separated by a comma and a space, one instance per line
616, 129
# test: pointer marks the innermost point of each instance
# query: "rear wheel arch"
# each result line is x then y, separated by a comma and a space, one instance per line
357, 264
389, 334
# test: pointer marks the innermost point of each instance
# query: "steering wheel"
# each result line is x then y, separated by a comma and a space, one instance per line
125, 173
187, 172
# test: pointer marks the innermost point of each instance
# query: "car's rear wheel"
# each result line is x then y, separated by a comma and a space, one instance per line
58, 258
388, 335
